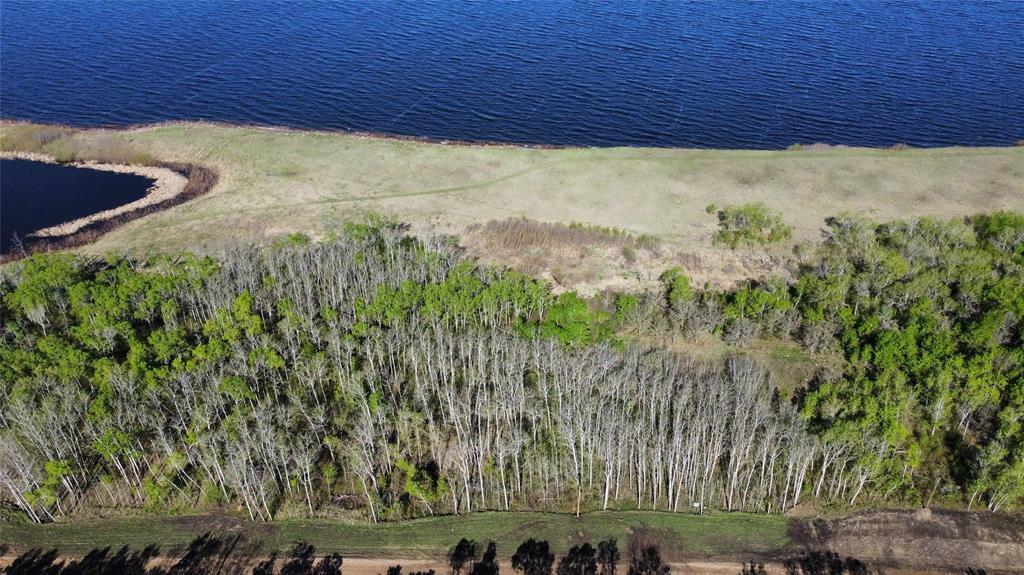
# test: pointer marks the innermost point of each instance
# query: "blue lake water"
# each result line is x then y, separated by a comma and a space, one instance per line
36, 195
719, 73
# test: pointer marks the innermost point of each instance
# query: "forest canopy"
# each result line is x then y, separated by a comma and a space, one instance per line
389, 375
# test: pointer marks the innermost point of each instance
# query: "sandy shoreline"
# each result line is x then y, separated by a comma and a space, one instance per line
362, 135
166, 184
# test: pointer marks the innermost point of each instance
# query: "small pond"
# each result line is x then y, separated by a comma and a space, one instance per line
36, 195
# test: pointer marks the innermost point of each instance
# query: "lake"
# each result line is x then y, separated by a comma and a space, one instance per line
37, 195
722, 74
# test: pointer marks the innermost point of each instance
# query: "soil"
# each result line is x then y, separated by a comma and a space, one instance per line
922, 541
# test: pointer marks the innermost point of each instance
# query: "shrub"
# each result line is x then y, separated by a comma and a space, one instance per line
740, 332
625, 306
750, 223
571, 320
677, 287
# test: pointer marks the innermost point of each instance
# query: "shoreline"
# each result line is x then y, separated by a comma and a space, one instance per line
176, 183
277, 181
453, 142
166, 185
382, 136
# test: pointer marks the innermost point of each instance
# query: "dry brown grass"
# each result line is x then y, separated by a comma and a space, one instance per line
105, 150
592, 258
522, 234
66, 145
569, 254
30, 137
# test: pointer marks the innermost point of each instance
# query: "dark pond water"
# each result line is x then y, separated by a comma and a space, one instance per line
719, 73
36, 195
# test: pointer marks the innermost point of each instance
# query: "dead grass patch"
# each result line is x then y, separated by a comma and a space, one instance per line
522, 234
64, 145
31, 137
570, 254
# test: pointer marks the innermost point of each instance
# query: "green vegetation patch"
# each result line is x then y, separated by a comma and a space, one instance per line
677, 533
682, 533
749, 224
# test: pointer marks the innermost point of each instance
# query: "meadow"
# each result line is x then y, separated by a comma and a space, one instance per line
276, 181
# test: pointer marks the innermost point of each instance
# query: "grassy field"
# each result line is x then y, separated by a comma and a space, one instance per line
679, 535
277, 181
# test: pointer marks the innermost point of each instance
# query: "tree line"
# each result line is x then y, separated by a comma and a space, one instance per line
927, 318
387, 372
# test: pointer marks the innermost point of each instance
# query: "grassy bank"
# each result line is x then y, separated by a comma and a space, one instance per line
679, 535
278, 181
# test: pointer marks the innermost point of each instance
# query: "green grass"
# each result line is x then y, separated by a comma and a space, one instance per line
679, 534
693, 534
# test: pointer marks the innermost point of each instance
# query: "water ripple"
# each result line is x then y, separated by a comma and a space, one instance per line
715, 74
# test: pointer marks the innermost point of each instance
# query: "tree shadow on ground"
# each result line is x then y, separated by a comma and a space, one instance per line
206, 554
825, 563
96, 562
